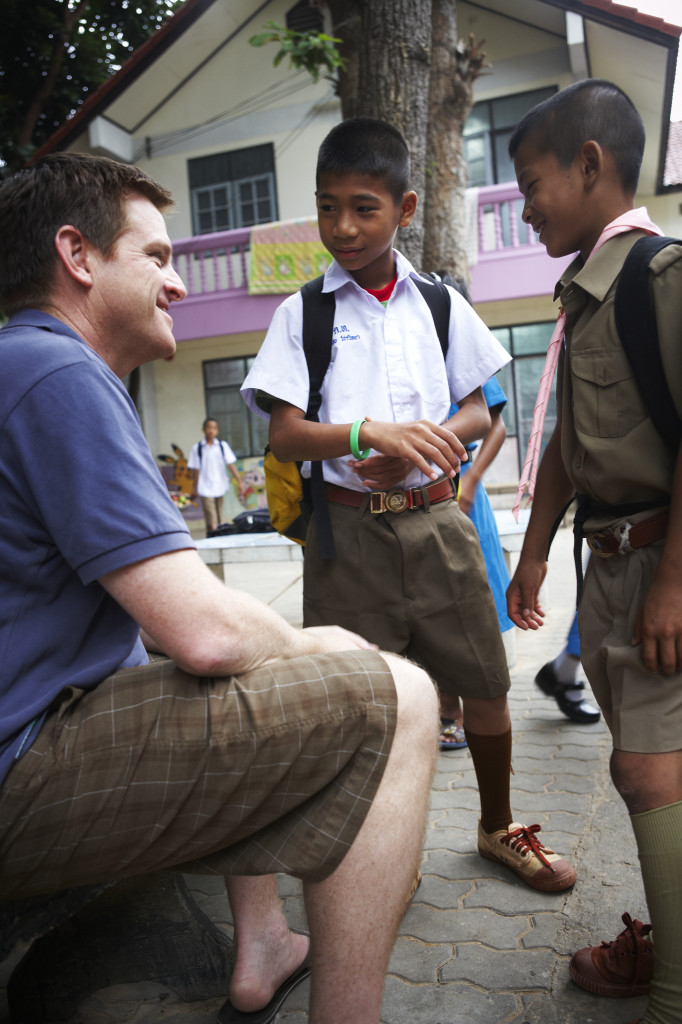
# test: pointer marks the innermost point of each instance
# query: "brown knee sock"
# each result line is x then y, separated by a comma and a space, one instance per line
492, 762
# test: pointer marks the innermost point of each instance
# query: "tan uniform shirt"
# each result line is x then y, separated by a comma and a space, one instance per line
611, 449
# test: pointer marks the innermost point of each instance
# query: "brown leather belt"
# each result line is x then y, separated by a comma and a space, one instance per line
395, 500
623, 538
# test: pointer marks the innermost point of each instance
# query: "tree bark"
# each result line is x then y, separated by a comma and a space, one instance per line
387, 46
454, 68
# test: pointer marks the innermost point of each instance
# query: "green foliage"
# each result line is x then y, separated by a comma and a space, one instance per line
92, 38
308, 51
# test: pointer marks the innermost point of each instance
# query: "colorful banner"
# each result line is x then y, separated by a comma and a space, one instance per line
284, 255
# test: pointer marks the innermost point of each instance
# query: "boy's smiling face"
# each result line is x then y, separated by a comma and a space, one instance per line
358, 218
555, 200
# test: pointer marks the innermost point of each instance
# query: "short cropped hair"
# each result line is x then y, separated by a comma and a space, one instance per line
87, 192
592, 109
366, 145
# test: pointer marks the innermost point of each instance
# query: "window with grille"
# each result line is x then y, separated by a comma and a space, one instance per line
487, 133
233, 190
527, 343
246, 433
304, 17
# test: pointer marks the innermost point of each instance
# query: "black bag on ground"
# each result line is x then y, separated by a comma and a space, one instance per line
255, 521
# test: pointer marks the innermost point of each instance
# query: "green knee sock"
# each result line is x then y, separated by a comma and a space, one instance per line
659, 842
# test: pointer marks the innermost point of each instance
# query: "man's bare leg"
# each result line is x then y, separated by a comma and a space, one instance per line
266, 951
354, 914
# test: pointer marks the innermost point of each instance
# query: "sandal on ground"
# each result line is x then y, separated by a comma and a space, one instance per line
451, 735
229, 1015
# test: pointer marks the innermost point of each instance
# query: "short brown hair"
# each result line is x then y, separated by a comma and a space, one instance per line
87, 192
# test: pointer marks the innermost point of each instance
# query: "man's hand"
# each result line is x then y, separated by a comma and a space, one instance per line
335, 638
659, 627
523, 605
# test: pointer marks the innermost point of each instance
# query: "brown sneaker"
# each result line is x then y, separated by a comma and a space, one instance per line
518, 848
621, 968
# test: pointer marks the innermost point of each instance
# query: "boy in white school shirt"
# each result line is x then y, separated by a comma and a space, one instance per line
408, 573
208, 459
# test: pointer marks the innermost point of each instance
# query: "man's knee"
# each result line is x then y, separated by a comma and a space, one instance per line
417, 696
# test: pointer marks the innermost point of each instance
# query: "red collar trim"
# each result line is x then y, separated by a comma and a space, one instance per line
383, 294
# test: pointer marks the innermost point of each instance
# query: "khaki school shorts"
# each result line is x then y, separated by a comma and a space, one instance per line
643, 711
416, 584
269, 771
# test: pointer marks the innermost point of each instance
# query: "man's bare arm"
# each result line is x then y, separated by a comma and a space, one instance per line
207, 628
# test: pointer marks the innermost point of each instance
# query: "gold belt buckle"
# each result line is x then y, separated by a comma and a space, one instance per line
396, 500
593, 545
377, 502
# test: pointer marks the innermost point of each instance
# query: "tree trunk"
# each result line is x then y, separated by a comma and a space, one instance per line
386, 44
450, 101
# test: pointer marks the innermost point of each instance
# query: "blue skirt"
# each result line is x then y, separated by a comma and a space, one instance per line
483, 518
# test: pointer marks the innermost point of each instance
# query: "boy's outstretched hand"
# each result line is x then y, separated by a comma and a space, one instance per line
403, 445
523, 604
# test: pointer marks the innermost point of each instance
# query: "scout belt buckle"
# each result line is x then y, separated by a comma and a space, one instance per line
395, 500
594, 543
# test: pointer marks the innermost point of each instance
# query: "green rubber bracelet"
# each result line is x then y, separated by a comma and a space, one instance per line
354, 439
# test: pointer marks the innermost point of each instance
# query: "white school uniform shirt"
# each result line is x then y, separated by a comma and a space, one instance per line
212, 482
386, 361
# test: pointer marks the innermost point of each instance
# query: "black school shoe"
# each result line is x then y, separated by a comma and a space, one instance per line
579, 711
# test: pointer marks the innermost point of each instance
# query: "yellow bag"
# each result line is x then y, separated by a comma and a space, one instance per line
284, 491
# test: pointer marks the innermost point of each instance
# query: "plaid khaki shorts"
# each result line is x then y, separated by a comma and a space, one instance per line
270, 771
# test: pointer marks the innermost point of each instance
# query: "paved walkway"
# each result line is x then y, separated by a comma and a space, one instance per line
476, 944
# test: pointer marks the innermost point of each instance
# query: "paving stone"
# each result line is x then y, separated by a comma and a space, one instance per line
454, 926
442, 893
443, 1004
500, 971
451, 839
509, 895
417, 961
542, 931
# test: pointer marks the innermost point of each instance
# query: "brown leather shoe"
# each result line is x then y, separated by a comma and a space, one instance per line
619, 969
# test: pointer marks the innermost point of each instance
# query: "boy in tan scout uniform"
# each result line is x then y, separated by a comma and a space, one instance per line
577, 158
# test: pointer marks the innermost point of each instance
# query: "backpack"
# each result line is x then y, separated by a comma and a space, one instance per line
202, 444
638, 333
256, 520
291, 498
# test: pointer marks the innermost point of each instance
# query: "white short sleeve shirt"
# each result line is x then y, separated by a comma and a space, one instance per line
386, 361
212, 482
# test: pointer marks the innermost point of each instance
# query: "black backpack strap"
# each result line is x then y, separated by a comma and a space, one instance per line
437, 298
636, 326
318, 327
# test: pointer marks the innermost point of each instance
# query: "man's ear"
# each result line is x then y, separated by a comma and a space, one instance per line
73, 251
408, 205
591, 159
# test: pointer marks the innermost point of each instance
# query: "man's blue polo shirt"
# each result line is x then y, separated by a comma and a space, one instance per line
80, 496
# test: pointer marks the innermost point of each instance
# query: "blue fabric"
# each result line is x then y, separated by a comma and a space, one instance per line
573, 638
80, 496
483, 518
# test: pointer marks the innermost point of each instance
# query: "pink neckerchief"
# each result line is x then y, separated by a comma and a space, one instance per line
633, 220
